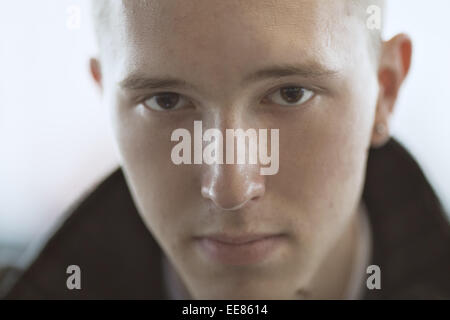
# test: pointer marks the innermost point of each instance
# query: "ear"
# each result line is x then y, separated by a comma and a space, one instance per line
394, 64
96, 72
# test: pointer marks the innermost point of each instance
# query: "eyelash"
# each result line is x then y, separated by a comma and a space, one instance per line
278, 89
143, 101
311, 93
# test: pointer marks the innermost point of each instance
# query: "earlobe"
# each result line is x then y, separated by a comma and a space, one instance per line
385, 103
95, 70
380, 135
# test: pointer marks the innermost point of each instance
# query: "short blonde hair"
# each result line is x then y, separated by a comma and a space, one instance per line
101, 12
361, 9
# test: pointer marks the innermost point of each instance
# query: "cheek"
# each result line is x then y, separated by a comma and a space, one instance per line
322, 157
160, 188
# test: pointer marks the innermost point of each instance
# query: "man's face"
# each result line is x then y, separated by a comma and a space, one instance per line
213, 46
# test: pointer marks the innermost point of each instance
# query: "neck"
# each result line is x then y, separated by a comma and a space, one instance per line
341, 272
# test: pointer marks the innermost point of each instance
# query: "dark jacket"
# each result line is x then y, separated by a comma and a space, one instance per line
119, 258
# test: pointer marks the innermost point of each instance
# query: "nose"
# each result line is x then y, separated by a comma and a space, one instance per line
231, 187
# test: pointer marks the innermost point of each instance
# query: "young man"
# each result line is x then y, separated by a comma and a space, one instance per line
345, 200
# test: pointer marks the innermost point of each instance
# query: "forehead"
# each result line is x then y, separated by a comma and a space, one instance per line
230, 36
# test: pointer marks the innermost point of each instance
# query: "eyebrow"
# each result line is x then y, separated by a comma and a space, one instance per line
310, 71
140, 81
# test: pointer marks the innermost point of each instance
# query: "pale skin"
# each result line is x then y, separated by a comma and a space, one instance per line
314, 199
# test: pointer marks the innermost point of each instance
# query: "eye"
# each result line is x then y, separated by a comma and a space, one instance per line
291, 96
164, 101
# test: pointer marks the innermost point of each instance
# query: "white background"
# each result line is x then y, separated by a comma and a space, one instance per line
54, 134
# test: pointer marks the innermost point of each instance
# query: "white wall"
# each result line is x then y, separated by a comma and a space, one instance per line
422, 116
54, 134
54, 137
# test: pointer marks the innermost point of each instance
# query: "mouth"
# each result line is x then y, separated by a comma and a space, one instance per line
242, 249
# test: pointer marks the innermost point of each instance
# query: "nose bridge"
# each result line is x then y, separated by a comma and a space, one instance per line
231, 186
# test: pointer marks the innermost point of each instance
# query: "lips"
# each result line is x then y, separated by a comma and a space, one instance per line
240, 249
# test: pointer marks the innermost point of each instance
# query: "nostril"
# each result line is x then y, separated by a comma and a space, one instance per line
255, 198
256, 191
227, 200
236, 207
